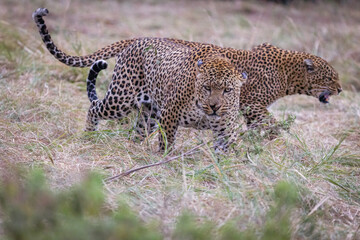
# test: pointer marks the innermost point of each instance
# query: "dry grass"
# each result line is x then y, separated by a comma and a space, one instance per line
43, 106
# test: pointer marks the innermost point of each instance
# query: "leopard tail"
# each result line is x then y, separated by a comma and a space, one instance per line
91, 80
75, 61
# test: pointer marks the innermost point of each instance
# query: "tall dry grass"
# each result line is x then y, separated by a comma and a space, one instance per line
43, 106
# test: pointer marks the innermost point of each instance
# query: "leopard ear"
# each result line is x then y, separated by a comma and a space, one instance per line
244, 75
199, 70
309, 64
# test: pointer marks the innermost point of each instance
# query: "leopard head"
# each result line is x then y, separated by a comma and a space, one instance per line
217, 86
321, 78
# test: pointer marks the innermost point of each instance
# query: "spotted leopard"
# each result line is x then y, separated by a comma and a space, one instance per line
187, 85
271, 72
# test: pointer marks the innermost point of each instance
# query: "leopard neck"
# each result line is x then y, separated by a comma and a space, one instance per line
294, 72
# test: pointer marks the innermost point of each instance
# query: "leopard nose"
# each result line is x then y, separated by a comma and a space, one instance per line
214, 107
339, 90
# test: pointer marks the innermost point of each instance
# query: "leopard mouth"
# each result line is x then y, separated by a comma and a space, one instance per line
213, 114
325, 96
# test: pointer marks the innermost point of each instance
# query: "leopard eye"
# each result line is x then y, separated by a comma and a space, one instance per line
227, 90
207, 88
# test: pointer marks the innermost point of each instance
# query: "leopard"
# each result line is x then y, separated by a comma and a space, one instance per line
271, 73
187, 85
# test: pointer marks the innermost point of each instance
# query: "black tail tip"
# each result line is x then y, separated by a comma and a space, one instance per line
101, 64
40, 12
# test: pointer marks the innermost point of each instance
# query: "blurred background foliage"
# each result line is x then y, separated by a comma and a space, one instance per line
30, 210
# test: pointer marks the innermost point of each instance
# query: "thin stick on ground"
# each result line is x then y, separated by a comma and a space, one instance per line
166, 160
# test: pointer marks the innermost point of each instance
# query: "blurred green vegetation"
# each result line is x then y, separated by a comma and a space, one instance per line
43, 107
31, 210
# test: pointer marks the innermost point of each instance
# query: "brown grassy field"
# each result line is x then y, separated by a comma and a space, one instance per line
43, 106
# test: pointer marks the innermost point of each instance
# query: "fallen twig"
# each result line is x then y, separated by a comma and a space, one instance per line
166, 160
322, 201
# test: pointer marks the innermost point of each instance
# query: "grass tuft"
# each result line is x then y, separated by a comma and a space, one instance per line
302, 184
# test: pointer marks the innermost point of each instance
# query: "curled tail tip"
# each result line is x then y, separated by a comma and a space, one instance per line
91, 80
101, 64
40, 12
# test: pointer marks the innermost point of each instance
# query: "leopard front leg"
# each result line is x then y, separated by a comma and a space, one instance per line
224, 132
168, 124
258, 117
203, 124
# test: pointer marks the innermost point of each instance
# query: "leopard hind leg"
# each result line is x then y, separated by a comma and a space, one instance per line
148, 116
118, 102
